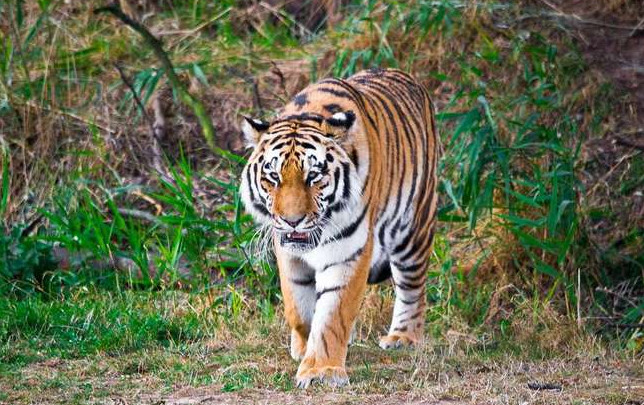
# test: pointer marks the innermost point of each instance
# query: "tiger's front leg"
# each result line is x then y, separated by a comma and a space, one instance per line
339, 292
297, 282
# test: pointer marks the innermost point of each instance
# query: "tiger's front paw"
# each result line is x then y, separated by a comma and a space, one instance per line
330, 375
398, 340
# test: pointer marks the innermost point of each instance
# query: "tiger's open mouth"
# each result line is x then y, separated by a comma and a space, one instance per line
300, 240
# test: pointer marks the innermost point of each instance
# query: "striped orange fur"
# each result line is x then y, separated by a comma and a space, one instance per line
346, 178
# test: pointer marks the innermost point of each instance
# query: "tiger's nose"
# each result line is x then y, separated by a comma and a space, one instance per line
293, 220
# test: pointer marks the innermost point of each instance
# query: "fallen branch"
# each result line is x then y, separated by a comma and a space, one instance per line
139, 214
75, 260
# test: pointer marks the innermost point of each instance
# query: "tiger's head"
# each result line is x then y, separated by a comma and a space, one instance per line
298, 176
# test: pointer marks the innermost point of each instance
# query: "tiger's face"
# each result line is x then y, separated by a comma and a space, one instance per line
296, 178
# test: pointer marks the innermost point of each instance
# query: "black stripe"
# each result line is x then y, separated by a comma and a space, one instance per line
353, 155
414, 316
262, 209
403, 244
420, 244
351, 258
336, 179
337, 93
301, 100
304, 282
338, 206
329, 80
302, 117
384, 94
349, 230
381, 232
347, 186
394, 229
408, 286
411, 302
250, 184
417, 277
411, 268
327, 290
332, 108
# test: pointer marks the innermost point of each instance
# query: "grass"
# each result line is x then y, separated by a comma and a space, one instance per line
118, 271
57, 352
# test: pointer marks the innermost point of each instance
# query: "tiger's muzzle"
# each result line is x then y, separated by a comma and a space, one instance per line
300, 240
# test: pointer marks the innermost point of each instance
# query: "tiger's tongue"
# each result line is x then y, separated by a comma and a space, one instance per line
297, 235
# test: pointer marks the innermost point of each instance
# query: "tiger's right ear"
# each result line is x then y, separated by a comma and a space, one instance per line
252, 130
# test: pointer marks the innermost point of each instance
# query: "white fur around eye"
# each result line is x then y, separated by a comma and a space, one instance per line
340, 116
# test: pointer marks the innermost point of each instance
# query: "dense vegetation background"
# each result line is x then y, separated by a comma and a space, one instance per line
123, 243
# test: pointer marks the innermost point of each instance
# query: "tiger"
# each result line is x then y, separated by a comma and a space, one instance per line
345, 179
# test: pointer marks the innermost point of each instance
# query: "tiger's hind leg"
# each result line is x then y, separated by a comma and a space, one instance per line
408, 320
409, 259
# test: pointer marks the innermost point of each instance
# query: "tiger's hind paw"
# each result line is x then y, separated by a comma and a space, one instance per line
397, 340
330, 376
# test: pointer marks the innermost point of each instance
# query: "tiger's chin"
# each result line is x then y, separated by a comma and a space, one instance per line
299, 242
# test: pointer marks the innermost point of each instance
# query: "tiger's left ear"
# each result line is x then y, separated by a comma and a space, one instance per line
252, 130
339, 124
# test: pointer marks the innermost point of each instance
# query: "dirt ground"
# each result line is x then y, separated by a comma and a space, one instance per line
413, 378
479, 386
